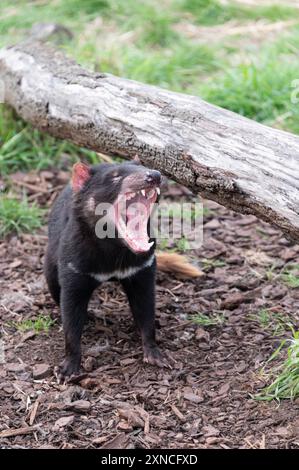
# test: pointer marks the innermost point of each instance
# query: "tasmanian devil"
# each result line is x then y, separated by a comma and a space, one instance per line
79, 258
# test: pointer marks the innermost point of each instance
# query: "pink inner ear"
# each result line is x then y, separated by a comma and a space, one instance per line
81, 173
136, 159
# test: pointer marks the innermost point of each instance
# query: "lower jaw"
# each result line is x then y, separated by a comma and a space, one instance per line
137, 250
133, 245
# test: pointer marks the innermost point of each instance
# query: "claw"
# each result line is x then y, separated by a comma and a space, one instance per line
154, 357
76, 378
59, 376
67, 372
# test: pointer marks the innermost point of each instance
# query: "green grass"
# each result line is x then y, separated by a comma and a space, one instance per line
270, 273
212, 12
18, 216
75, 8
41, 323
290, 276
259, 88
285, 376
19, 17
155, 25
152, 15
177, 67
212, 263
182, 244
276, 322
24, 148
208, 320
172, 246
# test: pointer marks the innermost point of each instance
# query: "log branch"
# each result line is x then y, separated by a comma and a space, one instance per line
237, 162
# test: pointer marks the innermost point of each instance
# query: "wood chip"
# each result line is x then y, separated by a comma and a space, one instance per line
132, 416
118, 442
63, 422
80, 406
146, 418
178, 413
193, 397
33, 411
18, 432
41, 371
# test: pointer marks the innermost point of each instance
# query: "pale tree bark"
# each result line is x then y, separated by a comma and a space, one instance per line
237, 162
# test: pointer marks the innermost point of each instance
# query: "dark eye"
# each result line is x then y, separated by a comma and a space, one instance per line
116, 177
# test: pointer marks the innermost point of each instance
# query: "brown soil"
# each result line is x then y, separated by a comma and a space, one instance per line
205, 400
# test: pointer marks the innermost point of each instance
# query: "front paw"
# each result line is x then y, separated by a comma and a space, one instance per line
67, 370
153, 356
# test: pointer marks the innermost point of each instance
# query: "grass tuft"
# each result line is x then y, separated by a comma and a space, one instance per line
212, 264
73, 8
291, 276
286, 382
208, 320
40, 324
177, 67
212, 12
24, 148
18, 216
259, 87
276, 322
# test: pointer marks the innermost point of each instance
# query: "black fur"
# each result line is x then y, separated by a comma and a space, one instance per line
72, 240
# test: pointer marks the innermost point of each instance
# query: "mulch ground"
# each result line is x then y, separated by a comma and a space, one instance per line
205, 400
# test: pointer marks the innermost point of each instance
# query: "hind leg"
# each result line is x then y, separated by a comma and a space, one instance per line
51, 274
140, 290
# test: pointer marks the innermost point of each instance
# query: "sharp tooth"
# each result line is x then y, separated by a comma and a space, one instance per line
151, 193
158, 191
132, 195
143, 192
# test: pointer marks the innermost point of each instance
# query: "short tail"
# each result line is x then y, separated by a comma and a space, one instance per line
176, 264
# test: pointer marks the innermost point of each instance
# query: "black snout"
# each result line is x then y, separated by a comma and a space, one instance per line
153, 177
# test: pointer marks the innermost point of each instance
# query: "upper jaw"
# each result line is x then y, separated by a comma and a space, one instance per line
150, 193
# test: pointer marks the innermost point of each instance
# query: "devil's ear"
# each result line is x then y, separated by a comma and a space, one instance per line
136, 159
80, 175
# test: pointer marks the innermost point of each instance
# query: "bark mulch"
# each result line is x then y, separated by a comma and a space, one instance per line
205, 400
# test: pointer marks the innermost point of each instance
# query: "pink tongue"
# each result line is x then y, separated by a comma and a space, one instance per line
136, 216
138, 246
137, 234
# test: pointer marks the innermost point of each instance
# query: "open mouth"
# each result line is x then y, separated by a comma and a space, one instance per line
131, 214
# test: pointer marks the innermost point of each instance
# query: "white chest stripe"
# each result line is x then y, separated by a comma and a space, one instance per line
118, 274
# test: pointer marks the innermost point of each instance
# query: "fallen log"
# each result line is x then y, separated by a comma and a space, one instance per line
237, 162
